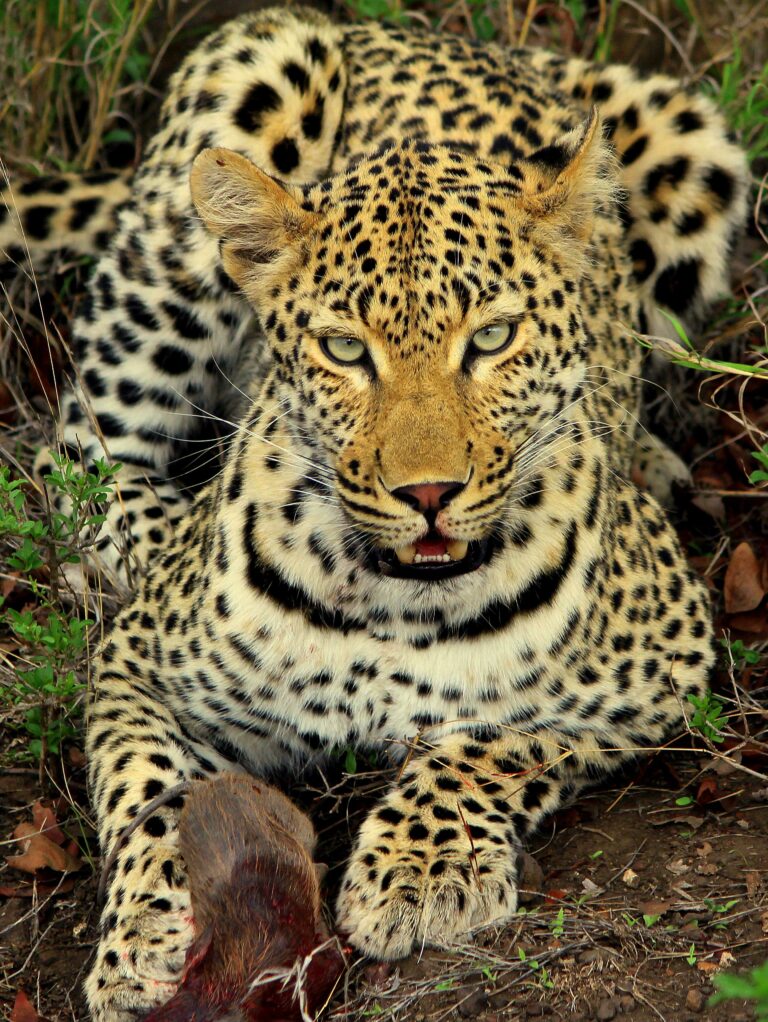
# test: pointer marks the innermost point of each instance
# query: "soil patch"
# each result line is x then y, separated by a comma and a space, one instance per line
635, 903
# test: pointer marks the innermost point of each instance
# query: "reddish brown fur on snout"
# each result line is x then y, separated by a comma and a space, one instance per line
256, 904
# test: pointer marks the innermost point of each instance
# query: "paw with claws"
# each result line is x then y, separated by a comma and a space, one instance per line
428, 867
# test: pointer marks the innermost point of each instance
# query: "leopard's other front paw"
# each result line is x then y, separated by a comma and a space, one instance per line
657, 468
143, 948
427, 870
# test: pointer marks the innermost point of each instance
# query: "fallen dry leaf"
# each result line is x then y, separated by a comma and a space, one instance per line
754, 622
530, 879
751, 752
706, 869
678, 867
45, 821
23, 1010
555, 894
707, 966
724, 766
707, 791
76, 757
630, 878
8, 584
655, 907
711, 504
752, 881
36, 889
39, 852
743, 588
694, 822
704, 849
379, 975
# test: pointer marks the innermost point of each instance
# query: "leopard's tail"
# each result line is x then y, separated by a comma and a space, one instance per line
269, 84
70, 214
685, 178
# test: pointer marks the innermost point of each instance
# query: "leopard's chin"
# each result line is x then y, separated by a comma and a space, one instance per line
432, 558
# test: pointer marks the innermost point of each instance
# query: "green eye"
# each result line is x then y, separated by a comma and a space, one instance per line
492, 339
344, 350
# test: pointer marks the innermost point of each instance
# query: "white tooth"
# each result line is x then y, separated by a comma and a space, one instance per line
457, 549
406, 554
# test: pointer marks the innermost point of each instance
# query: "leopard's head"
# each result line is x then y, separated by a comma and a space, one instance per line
425, 317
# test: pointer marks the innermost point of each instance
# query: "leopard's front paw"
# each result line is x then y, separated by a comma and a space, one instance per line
427, 875
141, 955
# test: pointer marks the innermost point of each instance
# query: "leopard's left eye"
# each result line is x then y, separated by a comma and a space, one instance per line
493, 339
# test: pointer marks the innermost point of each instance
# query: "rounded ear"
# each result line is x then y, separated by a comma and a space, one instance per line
254, 216
566, 182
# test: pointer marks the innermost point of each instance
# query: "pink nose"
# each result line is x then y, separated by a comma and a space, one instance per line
426, 497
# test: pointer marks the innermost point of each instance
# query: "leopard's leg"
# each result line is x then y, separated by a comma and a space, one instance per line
636, 451
438, 856
657, 468
162, 327
136, 750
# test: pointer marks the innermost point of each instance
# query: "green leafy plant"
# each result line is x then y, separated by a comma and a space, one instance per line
53, 637
557, 926
542, 975
488, 974
745, 102
720, 909
578, 11
379, 9
605, 38
708, 716
481, 20
691, 956
739, 653
760, 475
751, 987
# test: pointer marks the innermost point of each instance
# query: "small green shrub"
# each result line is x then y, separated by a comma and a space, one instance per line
708, 717
51, 633
751, 987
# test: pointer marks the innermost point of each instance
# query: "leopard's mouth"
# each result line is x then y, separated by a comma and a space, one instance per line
432, 558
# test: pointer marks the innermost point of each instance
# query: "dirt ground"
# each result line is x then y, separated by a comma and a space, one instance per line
633, 904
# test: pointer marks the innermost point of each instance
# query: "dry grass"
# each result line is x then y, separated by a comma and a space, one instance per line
71, 72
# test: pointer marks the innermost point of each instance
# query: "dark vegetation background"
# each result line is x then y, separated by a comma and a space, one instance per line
644, 895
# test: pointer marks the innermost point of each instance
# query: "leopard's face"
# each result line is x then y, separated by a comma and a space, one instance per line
424, 334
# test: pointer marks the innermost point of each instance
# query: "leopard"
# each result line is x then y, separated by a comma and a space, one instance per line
416, 265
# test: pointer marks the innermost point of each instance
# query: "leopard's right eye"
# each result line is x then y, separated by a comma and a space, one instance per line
493, 339
344, 350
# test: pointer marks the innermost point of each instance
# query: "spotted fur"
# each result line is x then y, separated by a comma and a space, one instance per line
428, 187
